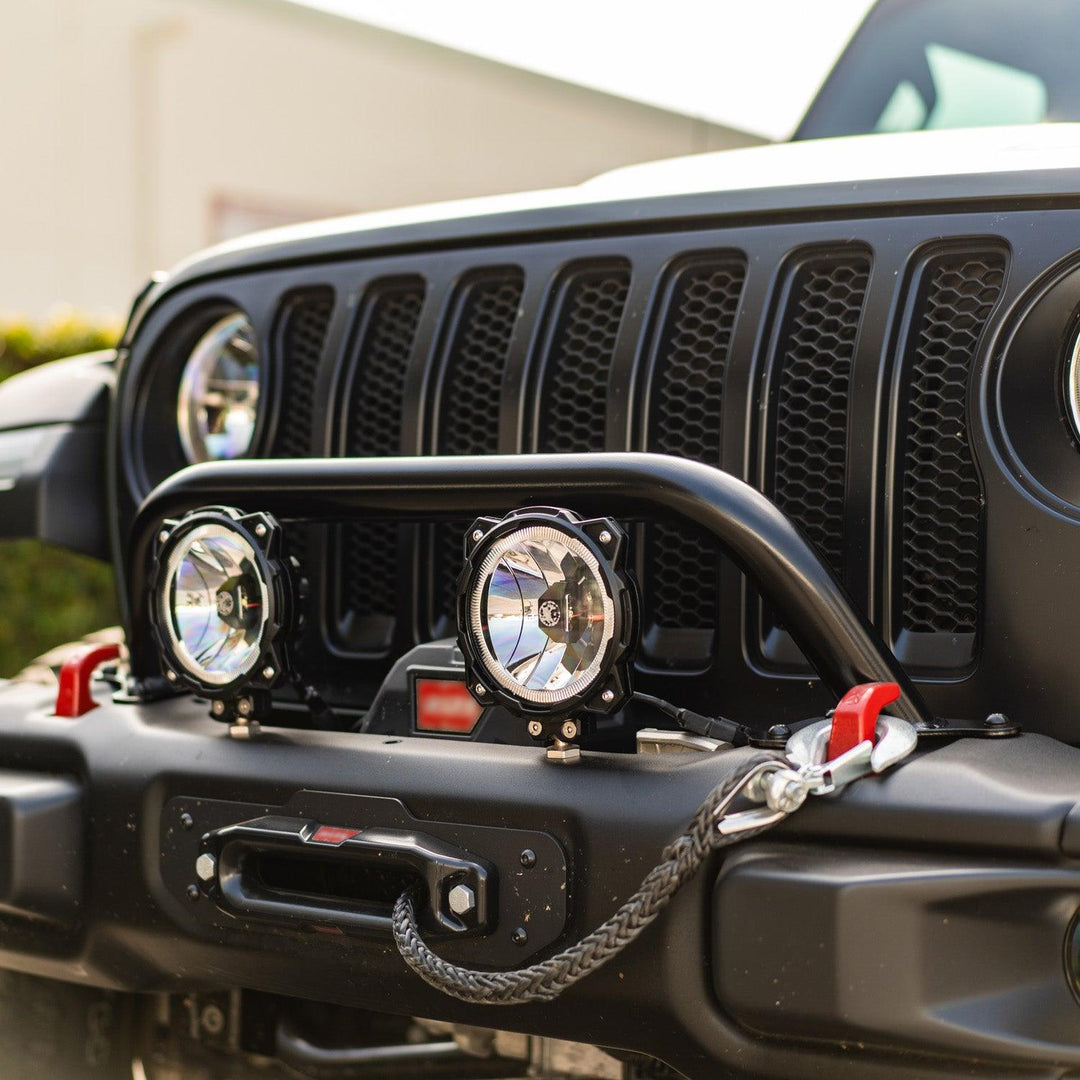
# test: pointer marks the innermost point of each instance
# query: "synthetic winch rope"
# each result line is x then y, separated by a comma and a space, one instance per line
546, 980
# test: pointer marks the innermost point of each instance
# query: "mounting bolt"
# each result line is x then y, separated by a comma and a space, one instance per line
569, 730
480, 689
462, 900
245, 706
996, 719
779, 731
187, 820
260, 530
171, 676
605, 537
268, 672
536, 729
528, 858
212, 1020
193, 892
205, 866
608, 696
218, 708
163, 535
519, 936
478, 534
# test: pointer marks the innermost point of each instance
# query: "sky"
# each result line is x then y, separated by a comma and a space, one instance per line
749, 64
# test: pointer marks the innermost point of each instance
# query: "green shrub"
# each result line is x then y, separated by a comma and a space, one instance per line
49, 596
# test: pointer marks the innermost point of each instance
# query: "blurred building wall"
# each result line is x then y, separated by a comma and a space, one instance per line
136, 131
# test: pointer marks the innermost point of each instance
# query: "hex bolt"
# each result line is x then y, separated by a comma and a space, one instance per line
536, 729
528, 858
462, 900
205, 866
212, 1020
260, 530
607, 697
187, 820
569, 730
478, 534
605, 537
268, 672
519, 936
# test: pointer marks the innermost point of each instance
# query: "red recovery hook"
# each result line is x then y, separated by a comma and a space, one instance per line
857, 714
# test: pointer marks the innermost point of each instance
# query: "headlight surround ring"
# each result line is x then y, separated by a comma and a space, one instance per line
246, 562
595, 550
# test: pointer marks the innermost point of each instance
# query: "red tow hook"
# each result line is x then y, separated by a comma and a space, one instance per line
857, 714
74, 697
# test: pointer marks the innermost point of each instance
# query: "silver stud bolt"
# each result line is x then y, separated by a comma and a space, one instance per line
171, 676
245, 706
218, 708
480, 689
608, 696
268, 672
260, 530
163, 535
478, 534
205, 867
605, 537
462, 900
536, 729
569, 730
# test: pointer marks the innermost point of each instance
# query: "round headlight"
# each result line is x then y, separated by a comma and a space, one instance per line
222, 599
218, 402
546, 614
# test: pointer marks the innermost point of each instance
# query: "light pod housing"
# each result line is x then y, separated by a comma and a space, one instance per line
547, 614
224, 599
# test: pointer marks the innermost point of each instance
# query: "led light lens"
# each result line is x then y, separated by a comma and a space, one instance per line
215, 604
218, 403
541, 615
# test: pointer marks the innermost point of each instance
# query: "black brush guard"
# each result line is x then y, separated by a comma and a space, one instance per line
837, 639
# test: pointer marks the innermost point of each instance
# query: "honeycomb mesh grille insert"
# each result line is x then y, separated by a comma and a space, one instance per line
686, 400
370, 570
486, 312
573, 395
941, 495
304, 322
812, 379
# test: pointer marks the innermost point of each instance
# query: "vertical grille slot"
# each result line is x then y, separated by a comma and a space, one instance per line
482, 324
685, 403
941, 499
302, 327
303, 323
810, 387
574, 389
375, 395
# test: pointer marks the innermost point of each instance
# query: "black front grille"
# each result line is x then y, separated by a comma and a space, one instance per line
482, 323
573, 397
941, 495
812, 382
370, 571
686, 396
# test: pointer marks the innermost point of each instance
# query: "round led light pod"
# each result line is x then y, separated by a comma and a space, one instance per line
223, 602
546, 614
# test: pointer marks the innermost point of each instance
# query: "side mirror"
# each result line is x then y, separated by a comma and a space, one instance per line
53, 422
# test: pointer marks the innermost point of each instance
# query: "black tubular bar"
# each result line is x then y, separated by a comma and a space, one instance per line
835, 637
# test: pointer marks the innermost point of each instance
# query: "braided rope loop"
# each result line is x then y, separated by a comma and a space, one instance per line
544, 981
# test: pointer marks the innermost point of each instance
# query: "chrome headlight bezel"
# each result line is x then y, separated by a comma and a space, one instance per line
260, 537
600, 544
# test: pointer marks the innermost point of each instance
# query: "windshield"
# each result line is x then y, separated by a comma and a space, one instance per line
928, 64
